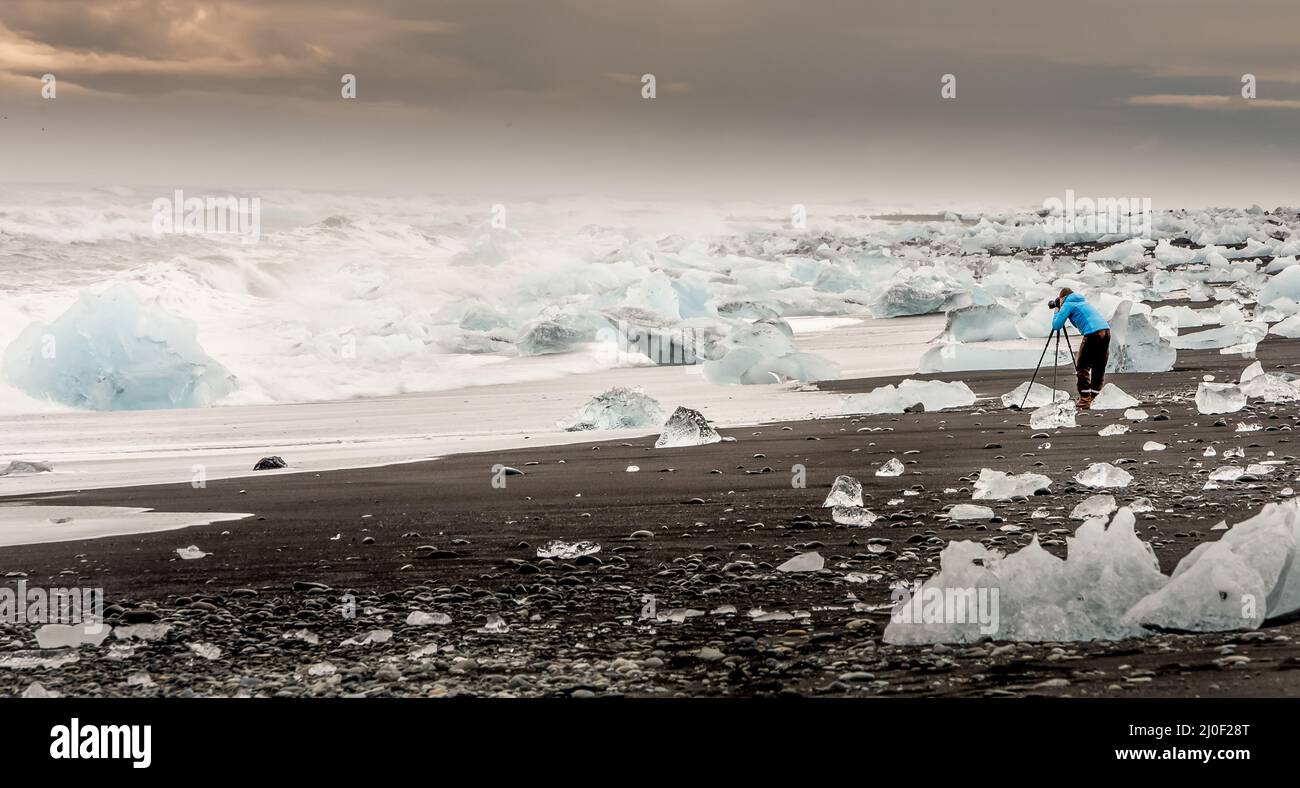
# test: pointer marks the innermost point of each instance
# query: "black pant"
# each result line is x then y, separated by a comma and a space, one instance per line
1094, 351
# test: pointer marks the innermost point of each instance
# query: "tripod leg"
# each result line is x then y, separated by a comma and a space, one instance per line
1041, 356
1056, 358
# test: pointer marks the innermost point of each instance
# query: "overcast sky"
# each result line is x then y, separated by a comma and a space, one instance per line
771, 100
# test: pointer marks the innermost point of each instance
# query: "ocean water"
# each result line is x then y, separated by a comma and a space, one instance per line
346, 296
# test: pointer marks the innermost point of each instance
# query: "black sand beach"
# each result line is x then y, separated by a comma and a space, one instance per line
439, 537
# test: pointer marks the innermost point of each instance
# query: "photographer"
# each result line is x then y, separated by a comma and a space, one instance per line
1094, 347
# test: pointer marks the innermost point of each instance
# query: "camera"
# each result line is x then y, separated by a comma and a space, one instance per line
1054, 303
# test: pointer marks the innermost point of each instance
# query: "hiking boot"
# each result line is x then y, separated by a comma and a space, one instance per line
1085, 401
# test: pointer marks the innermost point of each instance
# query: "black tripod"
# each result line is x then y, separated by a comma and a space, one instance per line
1055, 356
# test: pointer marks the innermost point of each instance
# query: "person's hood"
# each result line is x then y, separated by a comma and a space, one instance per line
1072, 298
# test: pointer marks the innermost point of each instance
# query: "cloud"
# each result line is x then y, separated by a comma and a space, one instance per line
1210, 102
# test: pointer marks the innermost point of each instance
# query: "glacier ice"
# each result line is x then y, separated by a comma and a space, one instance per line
1103, 474
51, 636
618, 408
845, 491
1136, 343
981, 323
113, 351
1214, 398
1054, 415
967, 511
1002, 486
933, 394
763, 352
1039, 597
1258, 384
687, 427
1094, 506
853, 515
804, 562
892, 468
567, 551
1112, 397
1038, 396
24, 467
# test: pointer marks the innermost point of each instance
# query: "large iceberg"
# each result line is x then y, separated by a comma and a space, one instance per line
616, 409
1109, 586
981, 323
932, 394
763, 352
1136, 343
112, 351
1037, 596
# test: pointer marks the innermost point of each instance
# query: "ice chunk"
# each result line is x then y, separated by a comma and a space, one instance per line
1053, 416
763, 352
845, 491
1000, 486
892, 468
1222, 337
981, 323
567, 551
38, 690
1212, 398
967, 511
1094, 506
494, 625
420, 618
556, 332
916, 291
617, 409
853, 515
1269, 387
804, 562
1113, 429
1103, 474
1034, 595
206, 650
1038, 396
71, 635
1153, 446
933, 394
1112, 397
1250, 575
1135, 414
687, 427
1227, 473
190, 553
1136, 344
112, 351
23, 467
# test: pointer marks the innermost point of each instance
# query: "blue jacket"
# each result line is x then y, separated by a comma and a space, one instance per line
1083, 315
